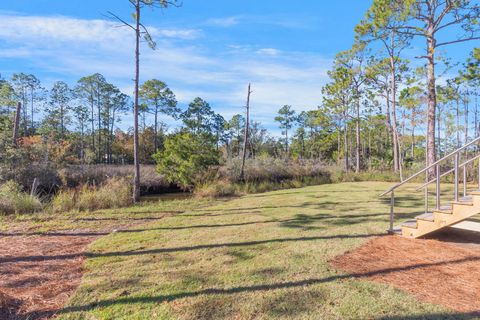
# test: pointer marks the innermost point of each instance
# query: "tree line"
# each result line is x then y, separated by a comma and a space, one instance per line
380, 110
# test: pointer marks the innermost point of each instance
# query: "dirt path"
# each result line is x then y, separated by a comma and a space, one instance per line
39, 272
441, 270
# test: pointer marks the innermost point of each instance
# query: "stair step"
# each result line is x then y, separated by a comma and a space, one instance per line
475, 192
463, 203
426, 216
410, 224
466, 199
445, 209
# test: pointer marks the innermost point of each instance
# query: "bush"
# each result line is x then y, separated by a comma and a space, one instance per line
188, 159
114, 193
14, 200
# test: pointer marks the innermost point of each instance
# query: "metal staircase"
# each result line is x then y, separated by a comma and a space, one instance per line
457, 209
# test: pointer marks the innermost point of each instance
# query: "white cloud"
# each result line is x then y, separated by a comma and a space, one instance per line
66, 29
67, 48
268, 52
224, 22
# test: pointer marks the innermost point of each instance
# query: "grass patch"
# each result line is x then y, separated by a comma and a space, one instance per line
262, 256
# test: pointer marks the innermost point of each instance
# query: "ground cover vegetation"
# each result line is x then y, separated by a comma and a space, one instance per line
259, 256
380, 113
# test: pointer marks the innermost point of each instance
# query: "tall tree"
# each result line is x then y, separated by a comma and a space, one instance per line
376, 26
337, 99
199, 116
353, 62
59, 107
140, 31
286, 118
90, 89
456, 20
160, 100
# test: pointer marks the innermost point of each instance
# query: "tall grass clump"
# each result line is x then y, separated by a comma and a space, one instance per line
14, 201
113, 193
217, 189
263, 174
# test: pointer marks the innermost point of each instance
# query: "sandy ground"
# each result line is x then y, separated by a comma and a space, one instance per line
443, 269
41, 272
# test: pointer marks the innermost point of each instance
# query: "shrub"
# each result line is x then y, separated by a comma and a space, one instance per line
113, 193
188, 159
14, 200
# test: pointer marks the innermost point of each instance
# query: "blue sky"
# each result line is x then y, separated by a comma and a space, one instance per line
206, 48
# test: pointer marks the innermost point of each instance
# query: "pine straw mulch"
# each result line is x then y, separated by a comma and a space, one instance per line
39, 272
442, 270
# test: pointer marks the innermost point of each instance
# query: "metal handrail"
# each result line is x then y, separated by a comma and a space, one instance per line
430, 166
436, 167
463, 165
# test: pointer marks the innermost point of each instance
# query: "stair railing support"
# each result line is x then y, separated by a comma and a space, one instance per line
455, 181
437, 196
392, 214
478, 174
426, 193
464, 181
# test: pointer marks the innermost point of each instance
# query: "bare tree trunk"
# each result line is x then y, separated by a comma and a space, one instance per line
439, 138
338, 144
286, 143
476, 115
357, 147
16, 123
347, 165
393, 92
413, 142
32, 128
92, 120
155, 138
431, 99
457, 129
466, 121
136, 179
245, 140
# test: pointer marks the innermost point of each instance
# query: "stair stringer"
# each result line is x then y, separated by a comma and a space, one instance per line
460, 211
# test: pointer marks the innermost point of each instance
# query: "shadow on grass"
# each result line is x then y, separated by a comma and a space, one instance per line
273, 286
181, 249
299, 221
436, 316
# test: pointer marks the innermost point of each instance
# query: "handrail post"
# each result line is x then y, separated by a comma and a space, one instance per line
479, 174
455, 182
437, 199
464, 181
426, 194
392, 217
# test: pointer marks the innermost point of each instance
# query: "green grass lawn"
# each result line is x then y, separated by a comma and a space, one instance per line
261, 256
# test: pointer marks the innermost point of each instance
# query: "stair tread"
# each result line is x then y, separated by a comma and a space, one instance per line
445, 209
426, 216
410, 224
463, 203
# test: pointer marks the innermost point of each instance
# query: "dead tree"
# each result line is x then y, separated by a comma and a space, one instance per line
245, 140
16, 123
